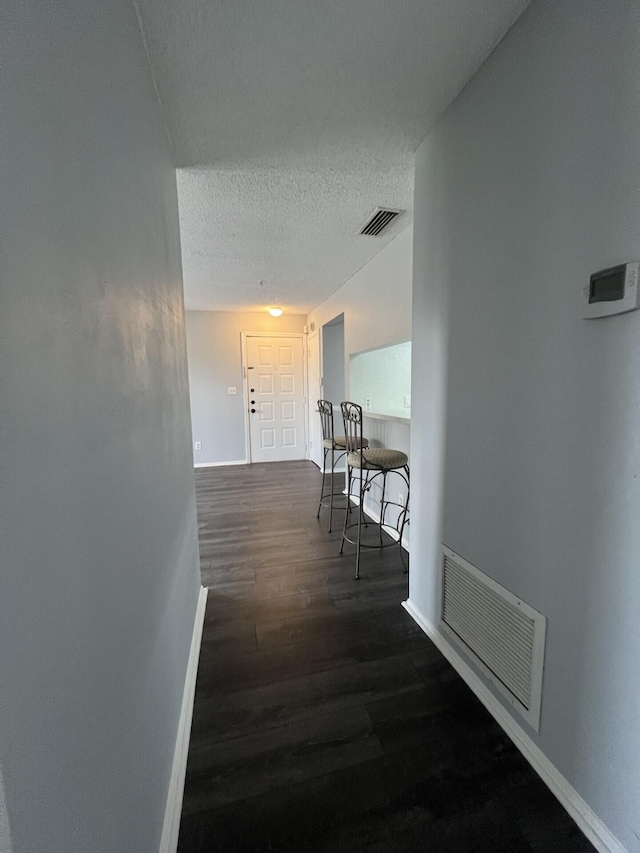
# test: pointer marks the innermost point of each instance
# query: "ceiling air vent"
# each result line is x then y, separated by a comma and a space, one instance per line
379, 221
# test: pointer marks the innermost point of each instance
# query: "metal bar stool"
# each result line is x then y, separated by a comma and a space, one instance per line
331, 444
373, 463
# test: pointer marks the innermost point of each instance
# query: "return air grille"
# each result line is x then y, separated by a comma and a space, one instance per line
379, 221
503, 635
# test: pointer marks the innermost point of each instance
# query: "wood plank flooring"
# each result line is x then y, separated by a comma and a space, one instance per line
324, 719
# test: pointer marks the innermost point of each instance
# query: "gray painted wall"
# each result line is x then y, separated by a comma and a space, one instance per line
5, 829
215, 363
333, 367
98, 546
527, 458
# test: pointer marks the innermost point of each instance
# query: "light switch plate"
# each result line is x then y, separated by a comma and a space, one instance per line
232, 389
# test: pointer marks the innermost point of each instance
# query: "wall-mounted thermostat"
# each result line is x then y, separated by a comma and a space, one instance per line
611, 291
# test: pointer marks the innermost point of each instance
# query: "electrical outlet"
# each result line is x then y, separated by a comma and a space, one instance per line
367, 404
198, 445
232, 389
407, 401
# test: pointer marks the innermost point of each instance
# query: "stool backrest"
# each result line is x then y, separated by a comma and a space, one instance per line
352, 420
325, 408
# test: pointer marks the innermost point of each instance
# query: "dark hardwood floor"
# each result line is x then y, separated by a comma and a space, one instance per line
324, 719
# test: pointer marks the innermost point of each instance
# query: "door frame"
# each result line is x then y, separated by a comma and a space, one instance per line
245, 384
311, 404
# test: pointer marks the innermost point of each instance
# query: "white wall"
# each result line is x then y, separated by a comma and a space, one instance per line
525, 449
98, 542
382, 376
215, 363
376, 303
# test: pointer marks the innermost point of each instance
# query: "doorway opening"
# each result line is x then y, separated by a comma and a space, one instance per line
333, 372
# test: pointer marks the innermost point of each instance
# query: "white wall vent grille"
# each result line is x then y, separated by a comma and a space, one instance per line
382, 217
504, 636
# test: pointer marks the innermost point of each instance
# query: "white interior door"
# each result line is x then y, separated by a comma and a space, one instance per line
275, 386
315, 394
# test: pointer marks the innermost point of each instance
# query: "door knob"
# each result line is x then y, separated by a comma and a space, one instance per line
253, 402
253, 411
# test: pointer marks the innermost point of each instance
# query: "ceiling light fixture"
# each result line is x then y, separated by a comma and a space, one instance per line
275, 312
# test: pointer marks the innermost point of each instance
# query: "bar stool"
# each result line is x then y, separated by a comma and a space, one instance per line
374, 462
331, 444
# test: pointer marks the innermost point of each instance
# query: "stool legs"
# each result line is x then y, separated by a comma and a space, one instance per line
333, 465
384, 486
332, 480
360, 498
366, 480
324, 469
347, 511
363, 491
405, 520
364, 485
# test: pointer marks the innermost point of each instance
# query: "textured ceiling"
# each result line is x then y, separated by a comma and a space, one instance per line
292, 120
293, 230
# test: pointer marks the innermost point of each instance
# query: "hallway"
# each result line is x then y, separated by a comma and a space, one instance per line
324, 719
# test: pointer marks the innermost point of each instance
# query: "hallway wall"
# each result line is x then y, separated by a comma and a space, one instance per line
215, 363
376, 303
5, 830
98, 547
525, 450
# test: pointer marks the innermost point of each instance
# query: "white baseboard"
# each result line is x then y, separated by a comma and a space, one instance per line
322, 470
173, 811
218, 464
595, 830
